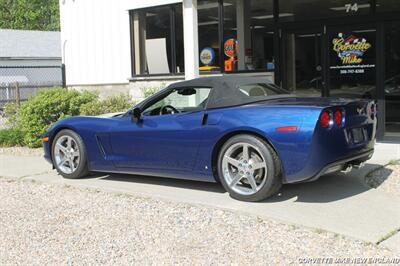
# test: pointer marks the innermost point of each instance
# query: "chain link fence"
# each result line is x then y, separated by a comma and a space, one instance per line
19, 83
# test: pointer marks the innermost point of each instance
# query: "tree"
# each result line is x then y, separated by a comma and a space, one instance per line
30, 15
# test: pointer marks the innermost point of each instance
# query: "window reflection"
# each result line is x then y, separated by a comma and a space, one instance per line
294, 10
302, 63
352, 63
387, 5
153, 36
392, 78
208, 35
248, 35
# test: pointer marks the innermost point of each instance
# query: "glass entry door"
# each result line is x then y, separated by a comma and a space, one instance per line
301, 62
392, 79
352, 62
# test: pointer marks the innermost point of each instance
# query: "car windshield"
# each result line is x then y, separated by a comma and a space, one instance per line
179, 101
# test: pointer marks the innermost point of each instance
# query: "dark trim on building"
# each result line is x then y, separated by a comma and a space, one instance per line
221, 35
132, 40
380, 78
63, 76
173, 38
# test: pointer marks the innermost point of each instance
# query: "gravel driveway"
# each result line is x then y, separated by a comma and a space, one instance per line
50, 224
386, 179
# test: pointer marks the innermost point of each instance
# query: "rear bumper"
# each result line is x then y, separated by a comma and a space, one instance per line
341, 164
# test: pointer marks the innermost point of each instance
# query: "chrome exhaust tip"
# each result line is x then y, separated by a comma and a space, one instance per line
358, 166
347, 169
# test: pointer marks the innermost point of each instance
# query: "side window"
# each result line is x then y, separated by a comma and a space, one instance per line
180, 100
258, 90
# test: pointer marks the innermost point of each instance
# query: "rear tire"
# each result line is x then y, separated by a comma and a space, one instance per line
69, 155
249, 169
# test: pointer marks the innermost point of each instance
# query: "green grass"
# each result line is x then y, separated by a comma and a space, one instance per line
11, 137
394, 162
388, 235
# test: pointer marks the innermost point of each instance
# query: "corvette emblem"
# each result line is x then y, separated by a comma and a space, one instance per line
360, 110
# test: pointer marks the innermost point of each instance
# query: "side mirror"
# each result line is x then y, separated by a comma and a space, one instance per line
136, 114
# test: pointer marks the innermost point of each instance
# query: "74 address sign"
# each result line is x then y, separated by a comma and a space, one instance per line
351, 7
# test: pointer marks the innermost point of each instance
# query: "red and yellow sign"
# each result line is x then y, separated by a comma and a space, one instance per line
230, 48
351, 49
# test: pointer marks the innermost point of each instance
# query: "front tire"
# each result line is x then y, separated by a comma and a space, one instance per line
69, 155
249, 169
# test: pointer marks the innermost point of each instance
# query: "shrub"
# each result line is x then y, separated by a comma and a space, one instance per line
113, 104
11, 112
41, 111
10, 109
150, 91
11, 137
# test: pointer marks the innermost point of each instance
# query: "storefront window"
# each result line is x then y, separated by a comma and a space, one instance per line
295, 10
179, 43
157, 40
301, 61
352, 63
248, 35
387, 5
392, 79
247, 40
209, 45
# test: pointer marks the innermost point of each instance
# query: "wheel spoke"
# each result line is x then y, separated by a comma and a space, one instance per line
252, 182
69, 143
61, 147
71, 165
62, 161
246, 152
75, 154
236, 180
258, 165
232, 161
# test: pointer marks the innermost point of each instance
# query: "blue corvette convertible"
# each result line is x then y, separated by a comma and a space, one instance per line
244, 132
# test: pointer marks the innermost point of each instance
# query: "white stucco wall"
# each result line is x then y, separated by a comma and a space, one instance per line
95, 39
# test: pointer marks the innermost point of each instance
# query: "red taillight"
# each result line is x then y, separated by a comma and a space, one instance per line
325, 119
338, 117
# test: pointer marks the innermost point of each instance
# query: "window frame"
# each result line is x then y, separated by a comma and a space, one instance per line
221, 19
166, 92
172, 50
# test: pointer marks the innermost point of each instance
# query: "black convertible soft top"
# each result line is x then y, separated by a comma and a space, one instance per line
226, 89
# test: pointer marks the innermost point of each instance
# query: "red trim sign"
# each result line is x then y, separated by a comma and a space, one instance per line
230, 48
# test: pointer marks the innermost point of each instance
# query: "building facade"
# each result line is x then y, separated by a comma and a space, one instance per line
29, 60
29, 56
314, 48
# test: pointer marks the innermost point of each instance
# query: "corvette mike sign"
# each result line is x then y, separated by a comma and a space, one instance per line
350, 54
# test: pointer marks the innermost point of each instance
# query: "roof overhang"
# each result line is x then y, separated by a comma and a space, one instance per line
130, 5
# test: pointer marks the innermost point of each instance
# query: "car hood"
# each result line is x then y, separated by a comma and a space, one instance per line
109, 115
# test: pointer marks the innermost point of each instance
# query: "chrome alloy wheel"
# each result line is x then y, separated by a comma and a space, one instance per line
66, 154
244, 168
